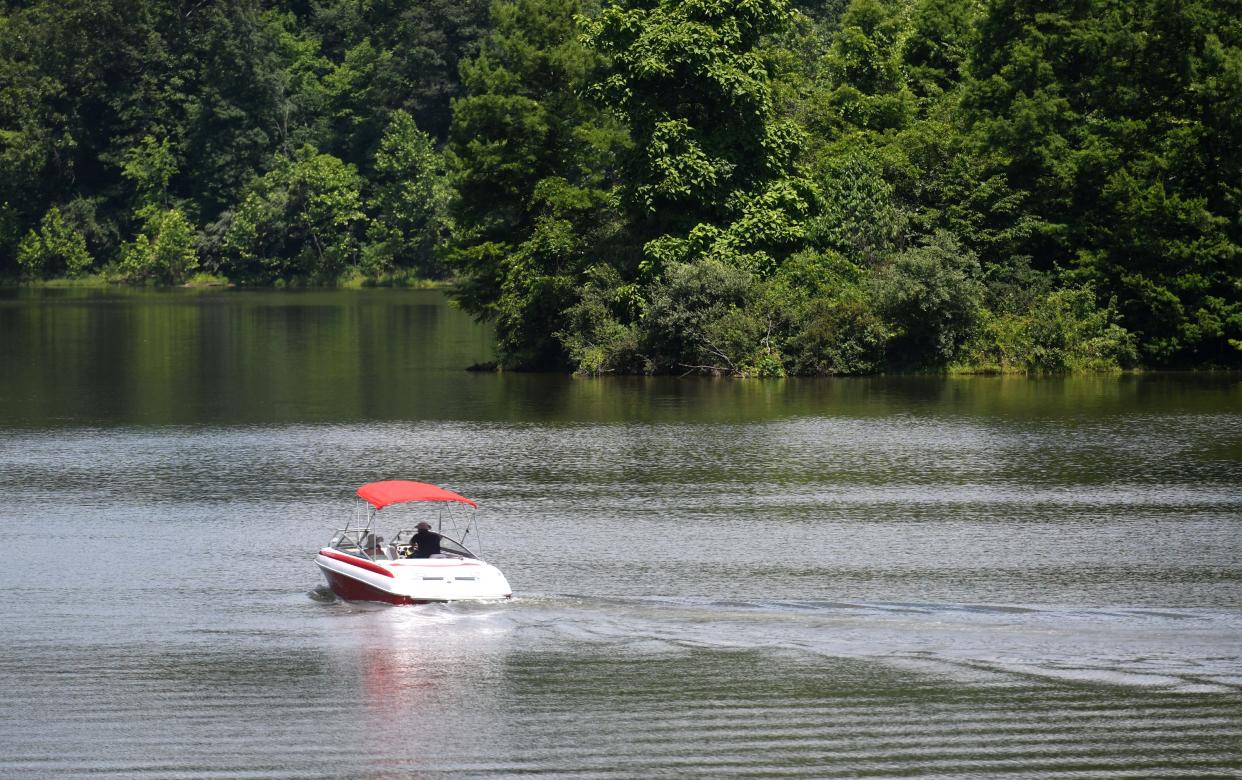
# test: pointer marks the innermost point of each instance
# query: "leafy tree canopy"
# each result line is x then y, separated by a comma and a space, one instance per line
754, 187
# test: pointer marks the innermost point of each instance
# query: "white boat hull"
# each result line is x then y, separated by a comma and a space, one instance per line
411, 580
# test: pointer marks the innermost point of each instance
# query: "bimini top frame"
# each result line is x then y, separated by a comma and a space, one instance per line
361, 541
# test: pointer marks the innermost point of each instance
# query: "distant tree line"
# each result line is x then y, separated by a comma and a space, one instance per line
750, 187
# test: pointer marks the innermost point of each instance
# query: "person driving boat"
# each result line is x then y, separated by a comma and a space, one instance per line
425, 543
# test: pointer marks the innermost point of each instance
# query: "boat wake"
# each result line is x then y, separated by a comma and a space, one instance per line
1186, 650
1167, 649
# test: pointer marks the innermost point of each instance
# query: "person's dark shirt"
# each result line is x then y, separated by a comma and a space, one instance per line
428, 544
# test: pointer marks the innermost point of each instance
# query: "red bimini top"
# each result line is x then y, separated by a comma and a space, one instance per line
401, 491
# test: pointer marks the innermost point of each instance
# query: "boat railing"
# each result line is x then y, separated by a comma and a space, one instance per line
360, 542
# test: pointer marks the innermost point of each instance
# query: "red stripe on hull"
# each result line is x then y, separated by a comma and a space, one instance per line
361, 563
351, 589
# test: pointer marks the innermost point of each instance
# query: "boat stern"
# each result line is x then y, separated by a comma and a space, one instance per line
412, 580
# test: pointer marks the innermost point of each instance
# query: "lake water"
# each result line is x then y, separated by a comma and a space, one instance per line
881, 577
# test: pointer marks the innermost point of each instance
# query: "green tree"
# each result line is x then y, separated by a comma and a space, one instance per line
1164, 231
248, 86
859, 100
897, 161
63, 117
150, 166
695, 319
867, 88
1120, 122
163, 252
10, 236
356, 92
713, 172
1027, 101
830, 321
862, 217
937, 45
83, 82
55, 248
411, 53
534, 206
933, 296
409, 201
300, 220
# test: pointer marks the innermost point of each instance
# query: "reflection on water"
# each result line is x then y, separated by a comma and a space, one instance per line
189, 357
890, 576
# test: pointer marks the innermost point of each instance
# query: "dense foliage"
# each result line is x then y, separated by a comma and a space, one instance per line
751, 187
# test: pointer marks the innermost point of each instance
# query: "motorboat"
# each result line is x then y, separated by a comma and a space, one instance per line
361, 566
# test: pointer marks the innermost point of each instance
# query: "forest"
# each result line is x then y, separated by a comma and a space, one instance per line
732, 187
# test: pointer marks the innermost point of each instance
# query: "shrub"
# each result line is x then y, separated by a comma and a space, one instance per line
680, 331
55, 249
932, 297
826, 323
839, 335
164, 252
747, 339
1064, 330
600, 335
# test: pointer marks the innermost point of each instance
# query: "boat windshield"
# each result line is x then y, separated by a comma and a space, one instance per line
447, 546
364, 544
